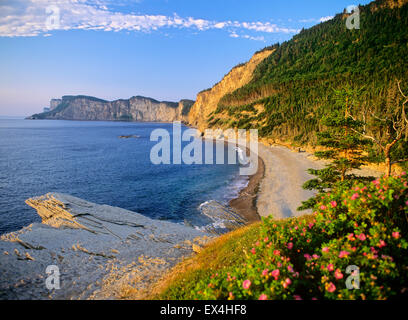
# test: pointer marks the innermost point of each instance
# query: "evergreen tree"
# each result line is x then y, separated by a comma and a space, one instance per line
343, 145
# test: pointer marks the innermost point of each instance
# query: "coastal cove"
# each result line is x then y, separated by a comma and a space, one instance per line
89, 160
75, 232
130, 249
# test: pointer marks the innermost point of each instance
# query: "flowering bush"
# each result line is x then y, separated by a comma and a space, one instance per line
308, 258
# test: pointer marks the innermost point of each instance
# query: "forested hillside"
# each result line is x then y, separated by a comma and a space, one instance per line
294, 87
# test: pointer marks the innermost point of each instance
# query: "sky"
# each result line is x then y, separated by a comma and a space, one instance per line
165, 49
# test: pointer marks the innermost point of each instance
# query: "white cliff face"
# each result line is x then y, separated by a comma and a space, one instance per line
207, 101
133, 109
54, 103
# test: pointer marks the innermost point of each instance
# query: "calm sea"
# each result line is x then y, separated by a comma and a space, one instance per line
89, 160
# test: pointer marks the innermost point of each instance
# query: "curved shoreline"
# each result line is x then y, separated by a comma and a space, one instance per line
285, 171
245, 203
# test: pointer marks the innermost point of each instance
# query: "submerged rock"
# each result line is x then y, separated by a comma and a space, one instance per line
98, 249
129, 136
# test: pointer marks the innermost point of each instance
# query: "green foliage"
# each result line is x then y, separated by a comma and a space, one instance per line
295, 83
307, 258
225, 252
325, 179
344, 147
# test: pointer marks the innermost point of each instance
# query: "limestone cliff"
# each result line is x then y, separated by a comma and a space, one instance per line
207, 101
134, 109
146, 109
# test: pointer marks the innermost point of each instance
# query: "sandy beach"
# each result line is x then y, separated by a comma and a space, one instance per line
276, 188
280, 192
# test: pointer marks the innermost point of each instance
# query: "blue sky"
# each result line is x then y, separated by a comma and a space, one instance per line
164, 49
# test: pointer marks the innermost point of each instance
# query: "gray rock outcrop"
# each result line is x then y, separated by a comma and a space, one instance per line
101, 251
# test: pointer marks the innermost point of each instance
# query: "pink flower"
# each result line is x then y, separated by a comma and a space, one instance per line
354, 196
290, 245
307, 256
265, 272
333, 204
290, 269
311, 225
276, 252
325, 249
396, 235
253, 251
331, 287
351, 237
376, 182
287, 283
322, 207
343, 254
263, 297
246, 284
266, 239
315, 256
381, 244
338, 274
362, 237
275, 273
297, 297
330, 267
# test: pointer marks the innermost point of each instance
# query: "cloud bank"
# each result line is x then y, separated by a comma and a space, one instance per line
29, 18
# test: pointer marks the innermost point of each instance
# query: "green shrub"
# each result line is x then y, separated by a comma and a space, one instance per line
365, 225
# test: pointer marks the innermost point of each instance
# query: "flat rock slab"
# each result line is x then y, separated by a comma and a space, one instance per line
98, 249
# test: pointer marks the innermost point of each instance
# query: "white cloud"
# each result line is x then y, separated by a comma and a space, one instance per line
39, 17
246, 36
314, 20
324, 19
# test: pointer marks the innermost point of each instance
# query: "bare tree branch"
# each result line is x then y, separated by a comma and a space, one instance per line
404, 103
377, 142
399, 88
399, 161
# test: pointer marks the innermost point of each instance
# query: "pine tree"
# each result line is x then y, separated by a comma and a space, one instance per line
344, 146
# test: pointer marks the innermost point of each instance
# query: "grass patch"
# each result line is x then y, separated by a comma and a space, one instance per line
224, 252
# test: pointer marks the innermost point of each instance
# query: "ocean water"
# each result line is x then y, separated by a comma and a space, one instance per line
89, 160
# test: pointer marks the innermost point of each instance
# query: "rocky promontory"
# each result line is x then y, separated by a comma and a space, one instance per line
99, 250
134, 109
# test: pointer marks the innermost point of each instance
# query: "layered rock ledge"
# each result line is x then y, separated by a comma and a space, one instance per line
100, 250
